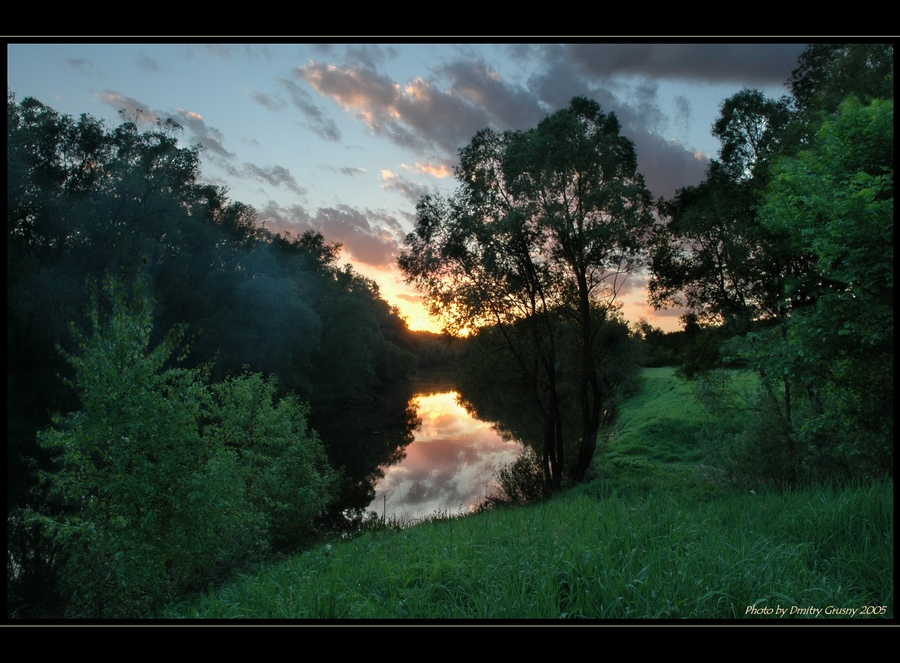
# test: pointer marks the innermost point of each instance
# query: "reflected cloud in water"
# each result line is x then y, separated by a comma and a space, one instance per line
448, 467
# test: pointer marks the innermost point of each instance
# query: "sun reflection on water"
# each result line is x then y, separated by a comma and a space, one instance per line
448, 467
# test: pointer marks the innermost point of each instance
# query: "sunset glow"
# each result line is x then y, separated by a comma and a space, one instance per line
345, 139
449, 466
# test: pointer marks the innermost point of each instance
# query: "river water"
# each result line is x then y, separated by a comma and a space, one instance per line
448, 467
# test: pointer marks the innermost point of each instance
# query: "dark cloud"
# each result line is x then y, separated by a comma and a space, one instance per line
645, 106
193, 123
440, 114
683, 114
370, 55
416, 115
410, 190
746, 64
667, 166
510, 107
557, 80
200, 132
82, 66
131, 109
250, 52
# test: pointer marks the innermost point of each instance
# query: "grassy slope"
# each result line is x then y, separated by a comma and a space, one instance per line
655, 440
648, 538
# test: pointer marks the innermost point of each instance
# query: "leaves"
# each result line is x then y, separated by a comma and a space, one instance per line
544, 228
166, 480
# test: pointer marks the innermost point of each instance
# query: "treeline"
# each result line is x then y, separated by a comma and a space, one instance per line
784, 258
114, 242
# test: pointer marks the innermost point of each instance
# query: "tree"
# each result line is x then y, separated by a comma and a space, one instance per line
711, 254
546, 225
282, 462
163, 481
131, 471
85, 200
835, 202
827, 73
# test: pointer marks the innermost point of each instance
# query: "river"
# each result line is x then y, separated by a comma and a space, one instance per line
449, 466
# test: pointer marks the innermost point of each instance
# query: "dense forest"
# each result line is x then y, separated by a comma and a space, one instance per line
114, 243
180, 379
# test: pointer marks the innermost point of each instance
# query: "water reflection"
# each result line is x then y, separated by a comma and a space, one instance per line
449, 465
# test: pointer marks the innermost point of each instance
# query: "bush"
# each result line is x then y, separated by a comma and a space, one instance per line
519, 482
164, 481
283, 462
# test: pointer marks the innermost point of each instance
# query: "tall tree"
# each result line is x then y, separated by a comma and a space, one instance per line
711, 254
547, 224
786, 244
827, 73
835, 201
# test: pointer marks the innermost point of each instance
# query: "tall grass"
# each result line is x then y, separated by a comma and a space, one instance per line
659, 556
649, 538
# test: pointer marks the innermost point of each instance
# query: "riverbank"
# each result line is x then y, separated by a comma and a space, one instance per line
649, 538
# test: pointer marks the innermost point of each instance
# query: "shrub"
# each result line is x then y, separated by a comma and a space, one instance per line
283, 463
164, 481
519, 482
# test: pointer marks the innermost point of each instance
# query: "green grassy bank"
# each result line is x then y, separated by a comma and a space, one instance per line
649, 538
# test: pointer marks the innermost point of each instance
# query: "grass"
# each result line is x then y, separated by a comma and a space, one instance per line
647, 539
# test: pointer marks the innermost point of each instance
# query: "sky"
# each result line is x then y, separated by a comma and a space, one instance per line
344, 138
448, 467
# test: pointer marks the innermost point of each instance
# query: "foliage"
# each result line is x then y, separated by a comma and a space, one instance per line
86, 199
788, 245
153, 504
836, 202
658, 547
659, 555
518, 482
829, 72
542, 231
712, 255
282, 462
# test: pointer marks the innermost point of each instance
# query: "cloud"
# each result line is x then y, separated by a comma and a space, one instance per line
147, 64
415, 115
82, 66
439, 170
509, 106
370, 55
200, 132
372, 238
749, 64
683, 114
250, 52
273, 175
270, 101
412, 191
666, 165
317, 120
131, 108
558, 80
